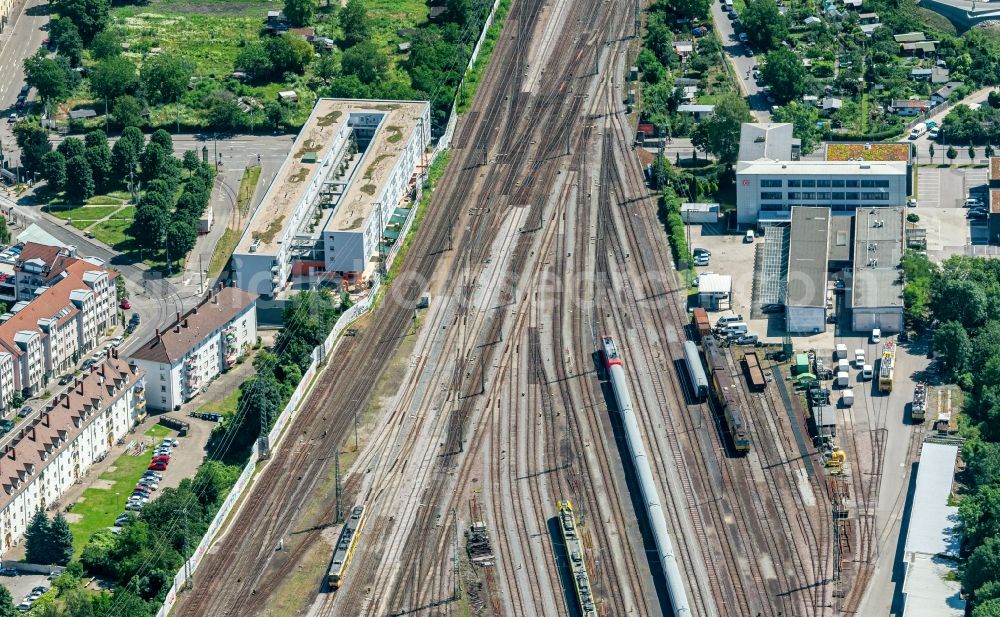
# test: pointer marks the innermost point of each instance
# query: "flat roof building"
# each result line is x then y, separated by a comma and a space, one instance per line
328, 209
808, 248
930, 585
770, 179
715, 291
876, 294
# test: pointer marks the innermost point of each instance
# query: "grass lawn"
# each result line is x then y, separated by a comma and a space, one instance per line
112, 232
223, 250
105, 200
128, 212
158, 431
83, 213
226, 405
248, 184
99, 507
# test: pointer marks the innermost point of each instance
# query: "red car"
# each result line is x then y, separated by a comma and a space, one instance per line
125, 303
161, 459
158, 466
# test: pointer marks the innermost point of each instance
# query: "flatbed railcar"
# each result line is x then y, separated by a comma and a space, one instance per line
346, 545
755, 376
726, 396
577, 564
695, 370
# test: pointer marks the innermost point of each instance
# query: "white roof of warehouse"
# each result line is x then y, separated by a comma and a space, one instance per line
824, 168
928, 591
931, 518
715, 283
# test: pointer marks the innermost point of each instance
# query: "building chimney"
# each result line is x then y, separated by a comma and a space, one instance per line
114, 353
79, 386
65, 401
194, 311
185, 322
45, 419
13, 453
157, 333
178, 315
32, 435
177, 328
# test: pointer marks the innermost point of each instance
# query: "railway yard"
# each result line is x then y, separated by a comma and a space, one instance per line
543, 238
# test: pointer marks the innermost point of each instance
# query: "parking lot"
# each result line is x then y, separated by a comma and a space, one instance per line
941, 193
20, 586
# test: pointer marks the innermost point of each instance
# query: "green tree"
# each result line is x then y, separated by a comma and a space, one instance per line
72, 146
764, 25
327, 67
223, 111
960, 300
67, 37
979, 514
106, 44
53, 169
990, 608
784, 74
81, 188
113, 77
693, 9
952, 343
60, 540
365, 61
191, 161
805, 123
165, 77
36, 539
988, 151
254, 60
983, 565
289, 53
135, 136
164, 140
300, 12
33, 141
4, 232
952, 153
101, 165
7, 608
150, 225
354, 23
720, 134
124, 159
152, 161
90, 16
45, 75
127, 112
181, 237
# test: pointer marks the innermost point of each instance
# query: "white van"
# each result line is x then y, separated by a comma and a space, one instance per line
736, 328
876, 335
749, 237
725, 320
866, 372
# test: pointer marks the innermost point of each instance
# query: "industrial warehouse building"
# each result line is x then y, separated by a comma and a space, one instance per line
802, 259
876, 290
340, 200
770, 179
806, 291
930, 585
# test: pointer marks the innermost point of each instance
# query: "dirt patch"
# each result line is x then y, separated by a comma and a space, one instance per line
272, 230
309, 146
368, 189
329, 118
210, 8
300, 175
102, 484
73, 517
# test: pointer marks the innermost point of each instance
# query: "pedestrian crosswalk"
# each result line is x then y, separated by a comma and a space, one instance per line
929, 187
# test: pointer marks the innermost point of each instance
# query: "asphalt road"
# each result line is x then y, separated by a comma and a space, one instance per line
19, 41
741, 62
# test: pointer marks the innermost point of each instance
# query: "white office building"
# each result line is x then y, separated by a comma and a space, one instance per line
769, 182
53, 449
180, 360
336, 203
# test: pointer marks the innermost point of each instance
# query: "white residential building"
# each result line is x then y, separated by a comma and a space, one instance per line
336, 203
198, 347
67, 319
53, 450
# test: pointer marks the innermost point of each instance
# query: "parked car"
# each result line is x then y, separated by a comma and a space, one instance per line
976, 213
8, 572
134, 318
25, 606
911, 203
163, 458
170, 441
25, 411
749, 237
65, 379
125, 304
859, 357
12, 118
158, 466
115, 342
152, 474
773, 307
133, 506
973, 202
701, 261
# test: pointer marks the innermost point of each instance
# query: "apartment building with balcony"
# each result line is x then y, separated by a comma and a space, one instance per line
199, 346
39, 265
46, 336
50, 451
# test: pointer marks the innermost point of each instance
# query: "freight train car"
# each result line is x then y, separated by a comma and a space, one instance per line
346, 544
726, 397
644, 475
578, 567
755, 376
696, 372
702, 325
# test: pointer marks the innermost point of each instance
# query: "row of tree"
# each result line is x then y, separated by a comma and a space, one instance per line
960, 301
47, 541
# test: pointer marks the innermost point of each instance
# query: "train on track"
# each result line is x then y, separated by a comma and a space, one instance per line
696, 372
578, 567
726, 396
346, 545
644, 476
755, 376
